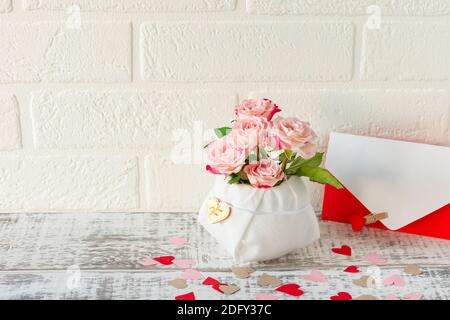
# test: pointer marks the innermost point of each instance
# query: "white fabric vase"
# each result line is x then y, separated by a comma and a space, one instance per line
264, 223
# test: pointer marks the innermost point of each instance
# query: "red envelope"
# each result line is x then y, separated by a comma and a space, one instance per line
410, 181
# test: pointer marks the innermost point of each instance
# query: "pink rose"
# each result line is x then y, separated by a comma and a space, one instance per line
264, 173
296, 135
224, 156
264, 108
250, 132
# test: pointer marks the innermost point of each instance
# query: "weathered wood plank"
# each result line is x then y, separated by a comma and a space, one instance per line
433, 283
121, 240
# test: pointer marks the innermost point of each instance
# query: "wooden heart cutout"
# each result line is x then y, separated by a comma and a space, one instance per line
266, 280
218, 210
365, 282
242, 272
178, 283
366, 297
412, 269
229, 289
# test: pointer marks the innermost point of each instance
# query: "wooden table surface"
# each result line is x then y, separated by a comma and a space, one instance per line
40, 253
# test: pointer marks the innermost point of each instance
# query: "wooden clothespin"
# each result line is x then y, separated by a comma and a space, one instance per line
358, 222
374, 217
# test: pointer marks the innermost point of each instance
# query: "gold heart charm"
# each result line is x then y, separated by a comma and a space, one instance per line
217, 210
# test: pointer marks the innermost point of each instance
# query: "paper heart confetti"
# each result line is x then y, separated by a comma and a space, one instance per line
178, 283
351, 269
344, 250
148, 262
266, 296
292, 289
375, 258
412, 269
214, 283
266, 280
341, 296
191, 274
210, 281
365, 282
183, 263
229, 289
242, 272
315, 276
357, 222
165, 260
391, 296
186, 296
394, 280
177, 242
366, 297
413, 296
217, 287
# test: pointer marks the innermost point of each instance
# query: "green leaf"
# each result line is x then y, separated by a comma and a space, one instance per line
300, 162
286, 155
234, 178
319, 175
222, 132
263, 154
252, 157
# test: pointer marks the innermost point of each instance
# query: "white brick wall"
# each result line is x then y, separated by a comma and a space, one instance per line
348, 7
247, 51
68, 183
5, 6
48, 51
10, 137
406, 51
95, 105
133, 5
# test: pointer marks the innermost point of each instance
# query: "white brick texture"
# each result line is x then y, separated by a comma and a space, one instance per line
247, 51
98, 120
409, 115
56, 52
406, 51
10, 136
175, 187
5, 6
348, 7
133, 5
68, 183
106, 105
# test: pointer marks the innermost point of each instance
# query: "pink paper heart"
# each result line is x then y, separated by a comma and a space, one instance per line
413, 296
183, 263
266, 296
191, 274
374, 258
394, 280
178, 242
315, 276
148, 262
391, 296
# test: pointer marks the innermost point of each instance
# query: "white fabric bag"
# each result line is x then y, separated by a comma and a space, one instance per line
264, 223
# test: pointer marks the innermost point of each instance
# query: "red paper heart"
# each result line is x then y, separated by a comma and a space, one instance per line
165, 260
291, 289
210, 281
351, 269
217, 287
358, 222
344, 250
186, 296
214, 283
342, 296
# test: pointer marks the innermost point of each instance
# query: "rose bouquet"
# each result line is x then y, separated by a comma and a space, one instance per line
259, 207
